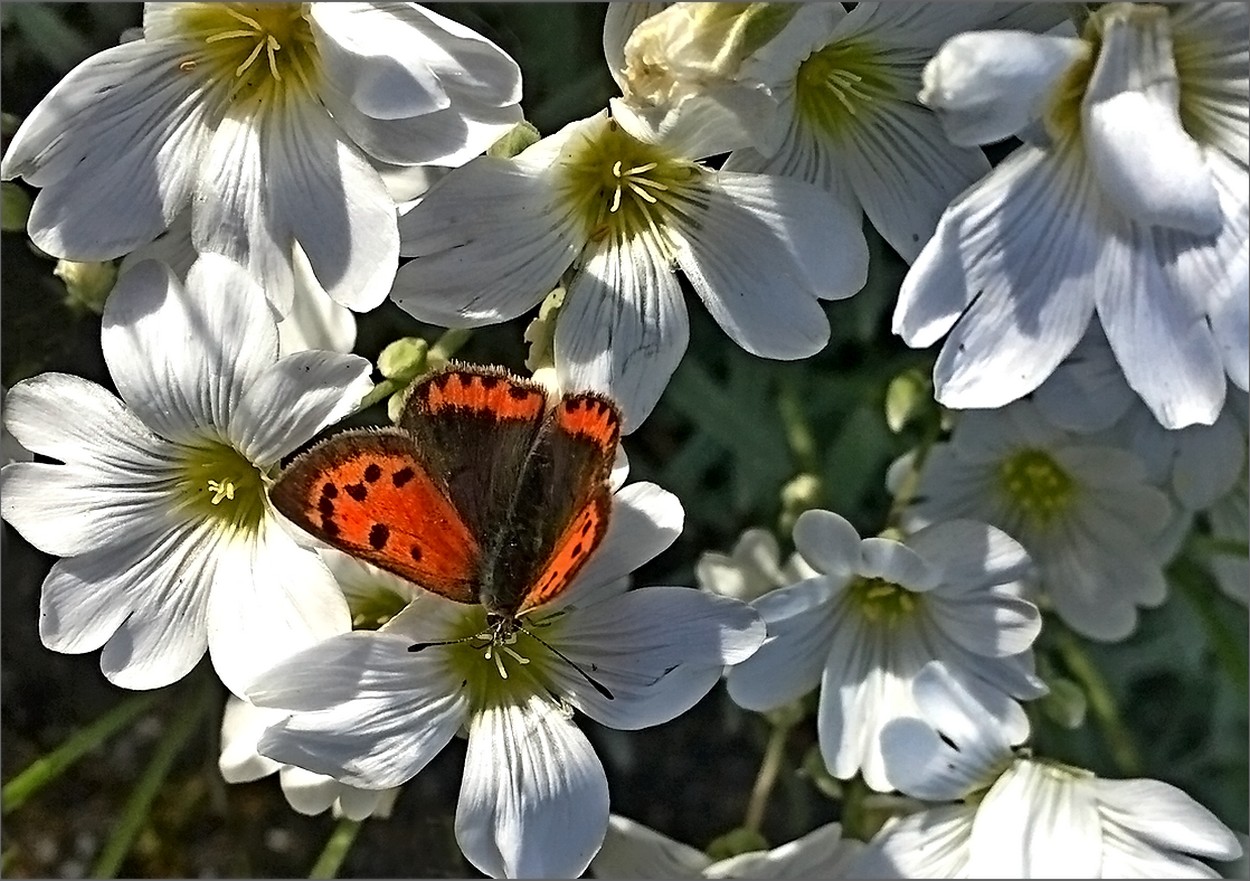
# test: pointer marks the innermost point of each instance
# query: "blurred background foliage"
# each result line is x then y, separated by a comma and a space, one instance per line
729, 438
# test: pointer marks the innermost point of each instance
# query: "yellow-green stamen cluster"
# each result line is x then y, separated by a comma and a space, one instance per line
218, 484
258, 52
620, 187
883, 602
373, 607
841, 86
1036, 488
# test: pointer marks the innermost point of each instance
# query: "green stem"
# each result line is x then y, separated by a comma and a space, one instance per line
1195, 585
1101, 703
46, 769
335, 851
447, 345
135, 812
770, 769
855, 819
381, 391
798, 430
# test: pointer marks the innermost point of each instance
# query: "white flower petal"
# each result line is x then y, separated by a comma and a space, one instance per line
315, 320
920, 764
69, 418
360, 804
403, 60
118, 130
270, 598
381, 65
927, 844
534, 798
970, 554
374, 714
309, 793
1165, 817
1087, 392
632, 642
242, 725
448, 137
1033, 825
821, 853
296, 398
231, 213
1208, 462
623, 327
165, 584
905, 173
800, 624
631, 850
895, 562
489, 244
760, 251
1142, 158
181, 356
986, 86
67, 510
760, 299
322, 192
828, 542
1159, 332
1013, 261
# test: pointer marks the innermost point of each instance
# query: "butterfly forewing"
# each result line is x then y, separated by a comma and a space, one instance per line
474, 430
367, 493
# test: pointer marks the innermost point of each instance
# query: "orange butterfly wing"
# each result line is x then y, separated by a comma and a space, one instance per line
367, 493
583, 432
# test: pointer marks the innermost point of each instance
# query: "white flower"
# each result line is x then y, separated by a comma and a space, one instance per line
881, 609
1024, 817
1083, 511
263, 120
495, 236
242, 726
160, 513
374, 596
314, 321
632, 850
847, 115
372, 711
1128, 200
751, 570
1196, 465
10, 449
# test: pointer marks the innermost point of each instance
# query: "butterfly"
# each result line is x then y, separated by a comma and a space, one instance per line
490, 490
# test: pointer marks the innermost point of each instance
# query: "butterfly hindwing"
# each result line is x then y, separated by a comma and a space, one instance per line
562, 507
367, 493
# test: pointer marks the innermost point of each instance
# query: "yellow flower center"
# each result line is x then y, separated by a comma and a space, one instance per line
1037, 490
841, 86
374, 606
488, 654
620, 187
216, 483
258, 52
883, 602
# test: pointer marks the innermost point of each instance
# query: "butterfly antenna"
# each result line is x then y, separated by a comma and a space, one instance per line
421, 646
598, 686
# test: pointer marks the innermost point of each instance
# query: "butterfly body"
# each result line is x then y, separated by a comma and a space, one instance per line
489, 491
